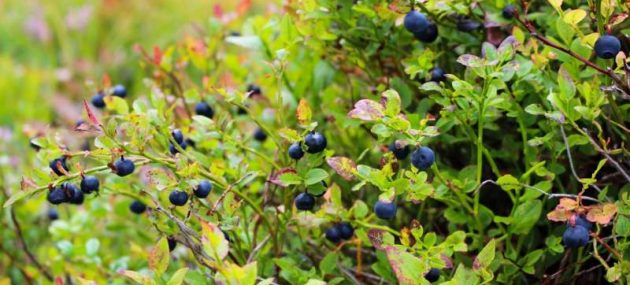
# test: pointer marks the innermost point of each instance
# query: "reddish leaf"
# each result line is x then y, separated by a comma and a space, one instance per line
376, 238
366, 110
602, 214
157, 55
275, 177
95, 122
343, 166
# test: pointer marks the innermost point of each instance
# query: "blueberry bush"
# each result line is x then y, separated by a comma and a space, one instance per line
316, 142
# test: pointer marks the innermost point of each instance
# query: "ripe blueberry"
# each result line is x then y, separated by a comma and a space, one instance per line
433, 275
429, 34
437, 74
333, 234
76, 196
415, 22
295, 151
260, 135
304, 201
575, 236
203, 109
57, 164
178, 136
57, 196
178, 198
385, 210
607, 46
468, 25
508, 11
399, 152
53, 214
345, 230
422, 158
203, 189
315, 142
119, 91
98, 100
174, 150
172, 243
137, 207
253, 90
582, 221
124, 167
89, 184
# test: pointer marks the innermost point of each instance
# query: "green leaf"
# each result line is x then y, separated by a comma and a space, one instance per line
250, 42
392, 102
213, 241
315, 175
509, 182
138, 277
528, 214
178, 277
290, 178
328, 263
91, 246
117, 104
485, 256
622, 227
159, 257
573, 17
407, 267
360, 209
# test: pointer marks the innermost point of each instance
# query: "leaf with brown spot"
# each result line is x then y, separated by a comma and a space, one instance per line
376, 238
304, 113
408, 268
367, 110
602, 214
159, 257
343, 166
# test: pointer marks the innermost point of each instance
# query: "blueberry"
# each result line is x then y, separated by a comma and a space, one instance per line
260, 135
468, 25
399, 152
345, 230
575, 236
295, 151
98, 100
57, 164
415, 22
254, 90
203, 189
53, 214
385, 210
172, 243
304, 201
607, 47
76, 196
89, 184
422, 158
437, 74
178, 198
315, 142
203, 109
333, 234
137, 207
190, 142
428, 35
119, 91
508, 11
433, 275
178, 136
173, 150
582, 221
57, 196
124, 167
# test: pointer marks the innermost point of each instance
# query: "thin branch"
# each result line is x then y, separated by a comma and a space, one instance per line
566, 145
550, 196
605, 153
31, 256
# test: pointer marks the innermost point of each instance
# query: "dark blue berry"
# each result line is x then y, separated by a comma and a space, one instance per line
345, 230
172, 243
304, 201
119, 91
178, 198
428, 35
76, 196
415, 22
260, 135
607, 46
203, 189
468, 25
98, 100
508, 11
203, 109
422, 158
385, 210
437, 74
89, 184
574, 237
124, 167
173, 150
582, 221
399, 152
254, 90
295, 151
333, 234
178, 136
57, 164
315, 142
433, 275
137, 207
53, 214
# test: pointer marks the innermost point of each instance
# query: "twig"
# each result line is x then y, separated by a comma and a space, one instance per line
18, 232
550, 196
566, 145
257, 248
605, 153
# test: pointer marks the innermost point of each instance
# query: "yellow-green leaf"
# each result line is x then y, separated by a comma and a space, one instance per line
214, 243
304, 112
556, 4
158, 257
574, 16
178, 277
